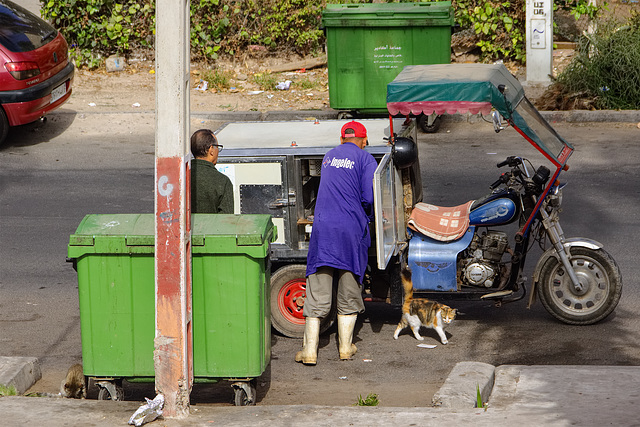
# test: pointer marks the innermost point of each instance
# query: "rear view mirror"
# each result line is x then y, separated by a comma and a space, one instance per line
497, 121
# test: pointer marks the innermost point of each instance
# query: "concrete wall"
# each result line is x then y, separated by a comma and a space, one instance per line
31, 5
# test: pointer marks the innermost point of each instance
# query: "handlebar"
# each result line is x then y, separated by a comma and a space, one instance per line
534, 184
510, 161
504, 178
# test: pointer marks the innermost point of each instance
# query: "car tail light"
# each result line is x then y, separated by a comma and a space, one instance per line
22, 70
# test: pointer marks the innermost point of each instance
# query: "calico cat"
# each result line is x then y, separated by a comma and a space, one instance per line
73, 386
422, 312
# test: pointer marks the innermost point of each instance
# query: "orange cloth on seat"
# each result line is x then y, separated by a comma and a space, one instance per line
440, 223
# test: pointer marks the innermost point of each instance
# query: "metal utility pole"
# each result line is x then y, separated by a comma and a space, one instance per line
539, 39
173, 345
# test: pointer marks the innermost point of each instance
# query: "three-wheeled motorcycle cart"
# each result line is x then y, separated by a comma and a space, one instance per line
275, 169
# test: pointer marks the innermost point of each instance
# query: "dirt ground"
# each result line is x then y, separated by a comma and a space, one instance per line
133, 89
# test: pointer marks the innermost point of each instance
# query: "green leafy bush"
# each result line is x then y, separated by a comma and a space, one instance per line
605, 67
96, 29
499, 25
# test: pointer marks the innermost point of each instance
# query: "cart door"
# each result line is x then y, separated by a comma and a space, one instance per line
387, 200
260, 187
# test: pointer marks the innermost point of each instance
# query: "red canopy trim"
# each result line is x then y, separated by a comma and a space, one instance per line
439, 107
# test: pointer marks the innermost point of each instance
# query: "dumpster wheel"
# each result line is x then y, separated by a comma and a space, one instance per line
429, 124
110, 390
245, 393
288, 291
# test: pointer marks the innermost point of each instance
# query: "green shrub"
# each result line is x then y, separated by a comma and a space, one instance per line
96, 29
605, 67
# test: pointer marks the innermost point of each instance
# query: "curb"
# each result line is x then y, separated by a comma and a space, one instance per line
459, 390
583, 116
572, 116
20, 372
505, 385
258, 116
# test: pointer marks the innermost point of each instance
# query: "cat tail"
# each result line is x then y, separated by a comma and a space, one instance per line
407, 284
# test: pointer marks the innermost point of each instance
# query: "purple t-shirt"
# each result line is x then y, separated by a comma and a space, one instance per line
344, 207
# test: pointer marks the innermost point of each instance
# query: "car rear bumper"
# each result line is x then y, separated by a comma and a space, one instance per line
27, 105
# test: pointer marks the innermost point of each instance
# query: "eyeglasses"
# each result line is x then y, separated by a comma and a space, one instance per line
218, 146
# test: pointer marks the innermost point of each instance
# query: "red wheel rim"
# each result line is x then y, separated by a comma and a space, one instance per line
291, 300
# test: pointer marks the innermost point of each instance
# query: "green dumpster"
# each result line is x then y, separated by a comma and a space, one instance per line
114, 259
369, 44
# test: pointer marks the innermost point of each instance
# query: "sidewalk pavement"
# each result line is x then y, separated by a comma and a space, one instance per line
515, 395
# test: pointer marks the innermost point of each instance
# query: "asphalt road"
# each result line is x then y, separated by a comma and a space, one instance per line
54, 174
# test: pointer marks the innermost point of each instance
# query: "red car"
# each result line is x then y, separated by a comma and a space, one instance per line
35, 71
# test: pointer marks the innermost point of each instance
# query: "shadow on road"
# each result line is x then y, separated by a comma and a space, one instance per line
39, 131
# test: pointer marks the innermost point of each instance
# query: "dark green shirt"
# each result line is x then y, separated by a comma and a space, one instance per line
211, 190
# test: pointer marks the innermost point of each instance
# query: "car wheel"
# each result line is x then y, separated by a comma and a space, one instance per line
4, 125
288, 292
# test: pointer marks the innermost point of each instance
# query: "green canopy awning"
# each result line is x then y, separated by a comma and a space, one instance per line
453, 88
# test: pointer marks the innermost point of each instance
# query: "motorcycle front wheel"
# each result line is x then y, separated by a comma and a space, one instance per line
600, 278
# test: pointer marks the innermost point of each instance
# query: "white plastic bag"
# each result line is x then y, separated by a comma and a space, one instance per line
285, 85
148, 412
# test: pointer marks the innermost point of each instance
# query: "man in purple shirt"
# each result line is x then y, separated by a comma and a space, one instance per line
340, 241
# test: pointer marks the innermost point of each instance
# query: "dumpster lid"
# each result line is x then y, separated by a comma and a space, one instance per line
246, 230
139, 230
388, 15
136, 229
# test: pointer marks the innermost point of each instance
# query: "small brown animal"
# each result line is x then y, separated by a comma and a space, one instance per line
422, 312
73, 386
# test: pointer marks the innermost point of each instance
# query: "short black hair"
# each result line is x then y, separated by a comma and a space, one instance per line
201, 141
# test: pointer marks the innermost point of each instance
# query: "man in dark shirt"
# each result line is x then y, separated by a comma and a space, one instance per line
211, 190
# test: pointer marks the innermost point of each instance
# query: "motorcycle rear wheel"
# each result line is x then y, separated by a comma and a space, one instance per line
597, 271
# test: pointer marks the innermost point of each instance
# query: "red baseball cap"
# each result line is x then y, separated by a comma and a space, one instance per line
359, 130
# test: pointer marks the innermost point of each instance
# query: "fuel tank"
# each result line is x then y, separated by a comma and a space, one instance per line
495, 209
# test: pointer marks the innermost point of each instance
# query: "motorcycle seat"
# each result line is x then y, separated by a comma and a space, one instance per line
445, 224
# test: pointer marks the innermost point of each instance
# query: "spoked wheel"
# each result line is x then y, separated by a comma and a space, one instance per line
288, 292
601, 283
105, 394
429, 124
